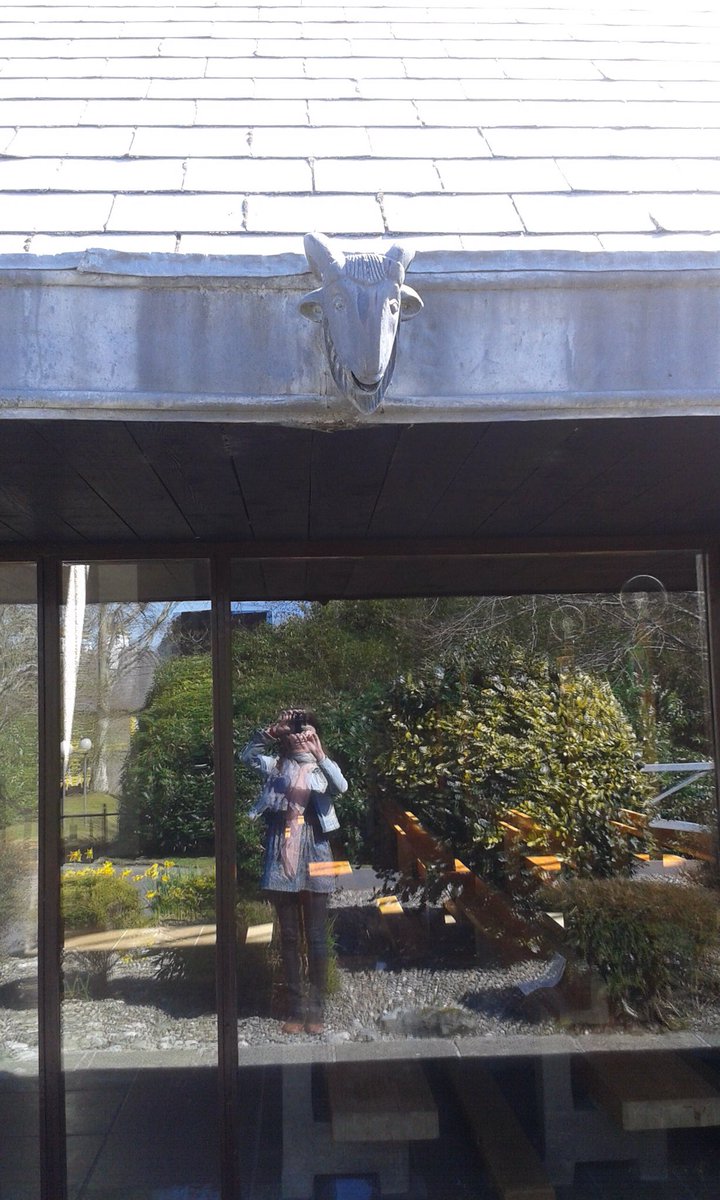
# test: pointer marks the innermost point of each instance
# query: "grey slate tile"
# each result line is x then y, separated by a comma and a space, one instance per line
310, 142
177, 214
585, 214
22, 213
332, 214
462, 116
252, 112
375, 175
248, 175
81, 141
192, 141
502, 175
452, 214
428, 143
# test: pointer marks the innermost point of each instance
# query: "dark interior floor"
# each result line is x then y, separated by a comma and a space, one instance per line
152, 1135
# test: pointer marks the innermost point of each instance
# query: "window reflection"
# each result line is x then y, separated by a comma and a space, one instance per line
138, 882
522, 895
19, 1153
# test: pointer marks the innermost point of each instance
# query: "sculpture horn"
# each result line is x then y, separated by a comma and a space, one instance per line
402, 256
322, 257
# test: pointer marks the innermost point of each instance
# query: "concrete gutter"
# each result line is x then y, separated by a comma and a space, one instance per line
523, 335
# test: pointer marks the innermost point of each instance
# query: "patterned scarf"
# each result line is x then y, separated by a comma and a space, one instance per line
291, 780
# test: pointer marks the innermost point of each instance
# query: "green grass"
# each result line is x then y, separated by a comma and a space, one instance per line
74, 806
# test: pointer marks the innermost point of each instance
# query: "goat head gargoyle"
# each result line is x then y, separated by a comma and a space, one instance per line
362, 300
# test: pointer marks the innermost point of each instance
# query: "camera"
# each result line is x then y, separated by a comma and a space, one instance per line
297, 721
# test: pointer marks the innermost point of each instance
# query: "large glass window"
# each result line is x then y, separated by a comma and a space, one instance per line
477, 890
138, 880
19, 1154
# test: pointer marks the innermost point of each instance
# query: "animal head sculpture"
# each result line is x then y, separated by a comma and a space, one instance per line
360, 304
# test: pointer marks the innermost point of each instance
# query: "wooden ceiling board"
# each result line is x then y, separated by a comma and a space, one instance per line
422, 469
198, 473
79, 481
41, 493
349, 468
504, 460
663, 460
105, 455
57, 506
688, 477
272, 468
548, 499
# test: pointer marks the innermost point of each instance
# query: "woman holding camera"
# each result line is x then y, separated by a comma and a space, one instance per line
296, 803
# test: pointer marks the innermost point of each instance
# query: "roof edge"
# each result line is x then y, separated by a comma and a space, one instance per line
446, 263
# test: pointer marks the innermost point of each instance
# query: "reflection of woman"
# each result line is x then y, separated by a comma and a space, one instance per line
296, 803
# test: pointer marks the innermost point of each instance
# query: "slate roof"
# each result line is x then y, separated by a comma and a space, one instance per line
212, 128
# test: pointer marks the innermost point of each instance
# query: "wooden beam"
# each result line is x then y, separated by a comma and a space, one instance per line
510, 1158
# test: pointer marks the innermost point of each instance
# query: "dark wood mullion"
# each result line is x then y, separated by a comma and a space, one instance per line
711, 577
226, 876
52, 1098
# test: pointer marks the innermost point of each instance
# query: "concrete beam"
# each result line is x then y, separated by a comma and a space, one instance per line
517, 336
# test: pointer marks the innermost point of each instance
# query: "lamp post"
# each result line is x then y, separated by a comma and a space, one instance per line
85, 745
65, 749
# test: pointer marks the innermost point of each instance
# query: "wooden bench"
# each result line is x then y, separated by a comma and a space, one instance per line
635, 1098
376, 1107
679, 837
511, 1161
580, 998
653, 1090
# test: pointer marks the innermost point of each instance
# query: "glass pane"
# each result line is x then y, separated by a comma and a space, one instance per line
477, 891
138, 884
19, 1154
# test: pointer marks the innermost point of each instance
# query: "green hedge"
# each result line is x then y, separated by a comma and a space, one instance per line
495, 729
649, 940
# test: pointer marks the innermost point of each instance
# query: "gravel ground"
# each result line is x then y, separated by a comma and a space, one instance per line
442, 994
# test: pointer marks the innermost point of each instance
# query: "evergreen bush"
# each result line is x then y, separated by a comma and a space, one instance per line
95, 898
496, 729
649, 940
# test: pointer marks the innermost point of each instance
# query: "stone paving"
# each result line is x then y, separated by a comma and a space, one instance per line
227, 129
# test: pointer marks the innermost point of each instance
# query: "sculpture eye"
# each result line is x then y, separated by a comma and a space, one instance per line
338, 304
317, 310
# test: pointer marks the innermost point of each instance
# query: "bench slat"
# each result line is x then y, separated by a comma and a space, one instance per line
381, 1102
650, 1091
511, 1159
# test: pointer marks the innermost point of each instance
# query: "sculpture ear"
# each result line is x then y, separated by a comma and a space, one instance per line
321, 256
410, 303
311, 307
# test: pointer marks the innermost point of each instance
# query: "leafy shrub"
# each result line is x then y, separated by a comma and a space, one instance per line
18, 866
86, 974
327, 658
184, 896
167, 784
649, 940
96, 898
494, 729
